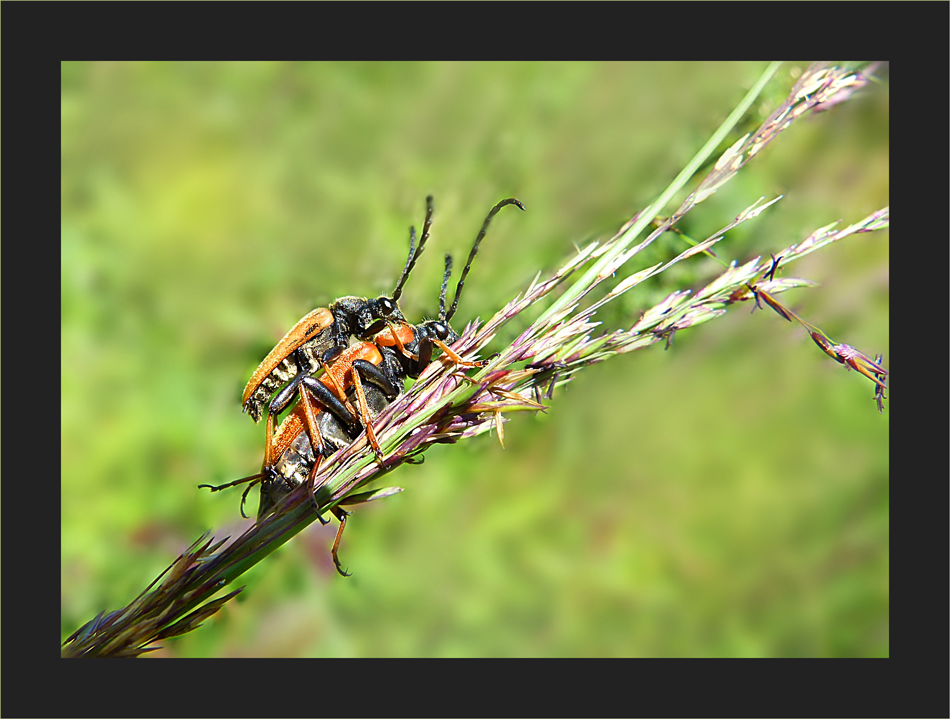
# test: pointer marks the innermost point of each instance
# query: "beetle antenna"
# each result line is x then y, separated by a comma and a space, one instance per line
415, 252
471, 255
405, 270
445, 284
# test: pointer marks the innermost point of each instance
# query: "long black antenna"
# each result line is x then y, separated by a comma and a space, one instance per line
415, 252
471, 255
445, 284
405, 270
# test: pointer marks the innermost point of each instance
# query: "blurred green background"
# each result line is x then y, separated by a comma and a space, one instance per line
728, 497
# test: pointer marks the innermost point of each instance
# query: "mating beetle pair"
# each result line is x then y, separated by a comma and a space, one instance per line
324, 333
370, 374
373, 374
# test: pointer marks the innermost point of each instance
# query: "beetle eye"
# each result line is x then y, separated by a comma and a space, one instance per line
441, 329
387, 306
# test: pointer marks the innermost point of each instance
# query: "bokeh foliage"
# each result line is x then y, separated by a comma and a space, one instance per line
726, 498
